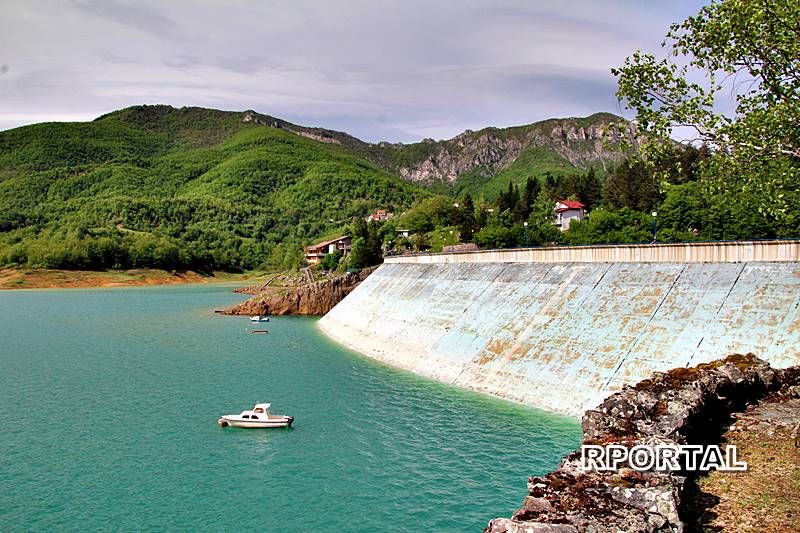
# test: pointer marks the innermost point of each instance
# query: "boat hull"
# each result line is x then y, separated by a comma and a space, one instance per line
282, 422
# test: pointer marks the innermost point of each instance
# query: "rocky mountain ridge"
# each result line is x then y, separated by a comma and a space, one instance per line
576, 142
568, 144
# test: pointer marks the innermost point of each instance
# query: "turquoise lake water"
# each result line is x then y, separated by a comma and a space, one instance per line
110, 399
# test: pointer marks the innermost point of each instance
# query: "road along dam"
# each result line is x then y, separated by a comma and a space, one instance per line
561, 328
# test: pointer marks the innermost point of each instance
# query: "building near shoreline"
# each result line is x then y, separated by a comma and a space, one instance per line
316, 252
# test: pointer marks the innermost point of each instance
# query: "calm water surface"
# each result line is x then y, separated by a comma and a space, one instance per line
110, 398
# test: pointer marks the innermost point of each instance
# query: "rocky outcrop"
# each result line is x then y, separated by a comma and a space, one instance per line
682, 406
463, 154
577, 142
312, 299
322, 135
581, 143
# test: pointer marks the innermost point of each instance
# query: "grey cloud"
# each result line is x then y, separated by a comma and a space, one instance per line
182, 61
130, 14
573, 21
112, 57
393, 70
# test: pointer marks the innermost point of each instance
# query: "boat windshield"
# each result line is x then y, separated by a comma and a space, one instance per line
258, 410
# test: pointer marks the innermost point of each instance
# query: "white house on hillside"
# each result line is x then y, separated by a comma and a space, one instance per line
566, 211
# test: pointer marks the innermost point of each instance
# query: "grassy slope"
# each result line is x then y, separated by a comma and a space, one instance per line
534, 162
72, 279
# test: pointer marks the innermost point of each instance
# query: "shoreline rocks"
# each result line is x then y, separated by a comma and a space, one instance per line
682, 406
312, 299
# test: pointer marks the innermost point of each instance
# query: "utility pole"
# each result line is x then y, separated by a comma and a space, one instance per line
526, 232
655, 227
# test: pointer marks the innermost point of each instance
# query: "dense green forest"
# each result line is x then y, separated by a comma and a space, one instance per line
620, 209
190, 188
178, 188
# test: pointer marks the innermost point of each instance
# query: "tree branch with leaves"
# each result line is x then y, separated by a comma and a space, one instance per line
745, 51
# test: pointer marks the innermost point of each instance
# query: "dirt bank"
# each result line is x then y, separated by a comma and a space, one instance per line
76, 279
765, 498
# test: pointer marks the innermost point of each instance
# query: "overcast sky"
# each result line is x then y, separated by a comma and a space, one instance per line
379, 69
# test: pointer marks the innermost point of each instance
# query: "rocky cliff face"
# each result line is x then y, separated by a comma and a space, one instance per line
313, 299
574, 142
318, 134
683, 406
581, 143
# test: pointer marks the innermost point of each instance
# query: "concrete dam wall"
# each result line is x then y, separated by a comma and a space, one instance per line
563, 335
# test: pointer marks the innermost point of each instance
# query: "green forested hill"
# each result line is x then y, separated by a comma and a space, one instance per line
191, 188
180, 188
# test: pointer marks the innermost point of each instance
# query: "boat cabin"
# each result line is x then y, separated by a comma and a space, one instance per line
262, 408
259, 412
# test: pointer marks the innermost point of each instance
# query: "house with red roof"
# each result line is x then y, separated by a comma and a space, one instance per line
566, 211
381, 215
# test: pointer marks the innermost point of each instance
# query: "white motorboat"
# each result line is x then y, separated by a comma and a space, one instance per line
258, 417
259, 318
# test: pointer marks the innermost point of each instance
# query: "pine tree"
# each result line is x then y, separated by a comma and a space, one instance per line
589, 189
551, 188
508, 200
529, 195
466, 224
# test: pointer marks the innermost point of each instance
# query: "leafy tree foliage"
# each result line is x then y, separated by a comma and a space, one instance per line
437, 211
585, 187
367, 244
495, 236
747, 49
331, 261
529, 196
191, 188
632, 184
611, 226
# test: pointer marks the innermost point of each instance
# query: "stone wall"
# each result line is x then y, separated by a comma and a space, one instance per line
683, 406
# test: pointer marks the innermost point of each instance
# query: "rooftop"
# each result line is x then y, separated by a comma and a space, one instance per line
326, 243
568, 204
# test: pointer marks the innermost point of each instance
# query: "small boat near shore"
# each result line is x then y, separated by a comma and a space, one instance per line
259, 318
258, 417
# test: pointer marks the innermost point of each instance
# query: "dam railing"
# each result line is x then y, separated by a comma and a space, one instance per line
695, 252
